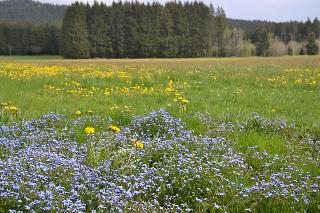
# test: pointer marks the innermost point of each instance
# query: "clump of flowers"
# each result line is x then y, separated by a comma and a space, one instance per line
8, 111
114, 128
158, 124
89, 130
184, 101
138, 144
155, 163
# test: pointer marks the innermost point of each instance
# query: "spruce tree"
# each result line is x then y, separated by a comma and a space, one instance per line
74, 37
221, 25
261, 40
3, 40
98, 31
167, 47
290, 51
131, 39
301, 51
312, 47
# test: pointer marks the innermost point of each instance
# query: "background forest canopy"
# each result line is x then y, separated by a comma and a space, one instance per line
139, 30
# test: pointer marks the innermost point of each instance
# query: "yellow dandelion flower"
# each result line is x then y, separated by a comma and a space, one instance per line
184, 101
90, 111
273, 110
169, 89
78, 112
139, 144
4, 105
89, 130
14, 108
114, 128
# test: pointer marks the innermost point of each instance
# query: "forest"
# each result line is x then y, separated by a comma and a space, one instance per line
139, 30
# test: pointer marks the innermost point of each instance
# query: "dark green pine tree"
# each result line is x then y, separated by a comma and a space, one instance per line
98, 22
221, 26
54, 32
199, 24
261, 41
153, 28
311, 46
74, 41
117, 17
290, 51
316, 27
11, 38
211, 29
180, 29
3, 39
131, 38
166, 44
143, 45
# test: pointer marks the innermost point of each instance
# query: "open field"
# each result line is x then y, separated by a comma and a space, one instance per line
248, 138
223, 87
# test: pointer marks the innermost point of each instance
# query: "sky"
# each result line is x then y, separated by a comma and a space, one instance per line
271, 10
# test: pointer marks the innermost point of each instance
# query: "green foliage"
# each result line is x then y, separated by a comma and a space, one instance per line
221, 26
302, 52
74, 41
139, 30
312, 47
261, 40
290, 51
28, 39
22, 11
98, 23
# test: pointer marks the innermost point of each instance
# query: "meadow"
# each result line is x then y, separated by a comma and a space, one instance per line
164, 135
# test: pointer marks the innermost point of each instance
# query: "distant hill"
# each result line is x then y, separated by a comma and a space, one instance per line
30, 11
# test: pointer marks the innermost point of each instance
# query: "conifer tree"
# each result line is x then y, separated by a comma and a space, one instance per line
261, 40
167, 47
74, 37
130, 26
98, 31
117, 29
3, 40
221, 26
312, 47
290, 51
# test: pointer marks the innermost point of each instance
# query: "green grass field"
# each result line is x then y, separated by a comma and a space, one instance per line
227, 91
259, 105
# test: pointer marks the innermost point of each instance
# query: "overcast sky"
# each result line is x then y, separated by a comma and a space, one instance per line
273, 10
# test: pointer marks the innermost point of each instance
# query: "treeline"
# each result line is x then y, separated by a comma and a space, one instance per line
136, 30
286, 31
275, 39
28, 39
176, 29
133, 29
291, 38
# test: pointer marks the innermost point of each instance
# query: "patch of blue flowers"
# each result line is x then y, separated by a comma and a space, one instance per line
45, 167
